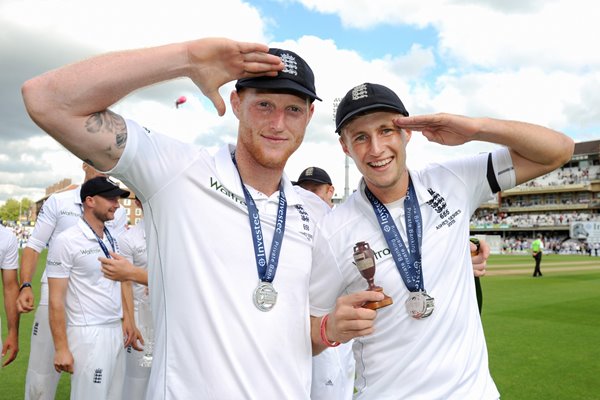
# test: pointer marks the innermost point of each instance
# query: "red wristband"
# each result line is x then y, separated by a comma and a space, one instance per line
324, 334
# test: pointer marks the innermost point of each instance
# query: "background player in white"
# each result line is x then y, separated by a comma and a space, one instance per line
85, 307
60, 211
401, 351
9, 254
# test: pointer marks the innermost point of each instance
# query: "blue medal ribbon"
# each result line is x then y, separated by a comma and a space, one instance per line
408, 261
100, 241
266, 269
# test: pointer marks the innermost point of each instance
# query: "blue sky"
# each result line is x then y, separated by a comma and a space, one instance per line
529, 60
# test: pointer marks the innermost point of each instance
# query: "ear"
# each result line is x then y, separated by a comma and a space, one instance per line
235, 101
331, 190
89, 201
343, 144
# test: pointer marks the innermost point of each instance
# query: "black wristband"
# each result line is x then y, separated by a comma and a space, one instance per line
24, 285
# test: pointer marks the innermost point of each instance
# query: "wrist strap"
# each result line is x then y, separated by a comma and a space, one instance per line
324, 334
24, 285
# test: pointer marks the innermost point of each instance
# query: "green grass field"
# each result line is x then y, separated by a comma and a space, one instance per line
543, 334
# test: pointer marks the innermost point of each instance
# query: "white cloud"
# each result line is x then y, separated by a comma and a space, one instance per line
114, 24
491, 33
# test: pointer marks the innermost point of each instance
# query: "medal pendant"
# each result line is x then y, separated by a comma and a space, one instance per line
419, 305
265, 296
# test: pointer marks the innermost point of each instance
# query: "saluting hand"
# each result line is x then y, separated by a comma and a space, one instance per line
442, 128
216, 61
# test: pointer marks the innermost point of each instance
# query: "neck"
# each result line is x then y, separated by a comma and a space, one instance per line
389, 194
96, 224
264, 179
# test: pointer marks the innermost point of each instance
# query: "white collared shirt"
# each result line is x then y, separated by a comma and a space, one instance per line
211, 340
443, 356
91, 298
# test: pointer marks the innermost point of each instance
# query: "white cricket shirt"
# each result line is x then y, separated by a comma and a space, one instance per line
211, 340
443, 356
91, 298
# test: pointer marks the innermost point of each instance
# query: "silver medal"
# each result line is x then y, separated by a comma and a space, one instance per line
419, 305
265, 296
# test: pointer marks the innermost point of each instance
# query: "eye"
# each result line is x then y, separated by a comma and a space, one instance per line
361, 138
387, 131
263, 104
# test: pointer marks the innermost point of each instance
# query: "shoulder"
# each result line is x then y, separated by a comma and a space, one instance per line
72, 233
343, 215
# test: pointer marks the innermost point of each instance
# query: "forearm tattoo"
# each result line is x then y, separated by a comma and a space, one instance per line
110, 123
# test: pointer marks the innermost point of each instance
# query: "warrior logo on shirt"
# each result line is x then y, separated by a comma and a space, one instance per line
98, 375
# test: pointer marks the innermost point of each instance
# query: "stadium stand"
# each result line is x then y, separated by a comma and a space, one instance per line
551, 205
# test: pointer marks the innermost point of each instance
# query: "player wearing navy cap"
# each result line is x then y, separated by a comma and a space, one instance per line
85, 307
60, 211
429, 343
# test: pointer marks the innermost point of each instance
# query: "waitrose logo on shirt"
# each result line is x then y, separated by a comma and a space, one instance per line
87, 252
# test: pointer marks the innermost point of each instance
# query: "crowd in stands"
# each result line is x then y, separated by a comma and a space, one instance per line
22, 233
530, 220
566, 176
552, 245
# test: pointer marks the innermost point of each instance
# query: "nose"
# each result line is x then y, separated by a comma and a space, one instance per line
376, 145
277, 121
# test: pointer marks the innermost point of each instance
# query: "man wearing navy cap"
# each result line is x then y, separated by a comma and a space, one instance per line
429, 343
317, 180
85, 308
230, 309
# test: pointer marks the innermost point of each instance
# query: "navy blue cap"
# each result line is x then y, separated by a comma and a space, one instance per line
101, 186
313, 174
365, 97
296, 76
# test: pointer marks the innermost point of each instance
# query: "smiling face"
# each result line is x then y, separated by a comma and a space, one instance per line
271, 126
103, 208
378, 148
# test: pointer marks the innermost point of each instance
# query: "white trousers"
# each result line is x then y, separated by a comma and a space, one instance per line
99, 369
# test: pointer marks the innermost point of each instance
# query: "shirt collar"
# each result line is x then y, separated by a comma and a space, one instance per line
423, 195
